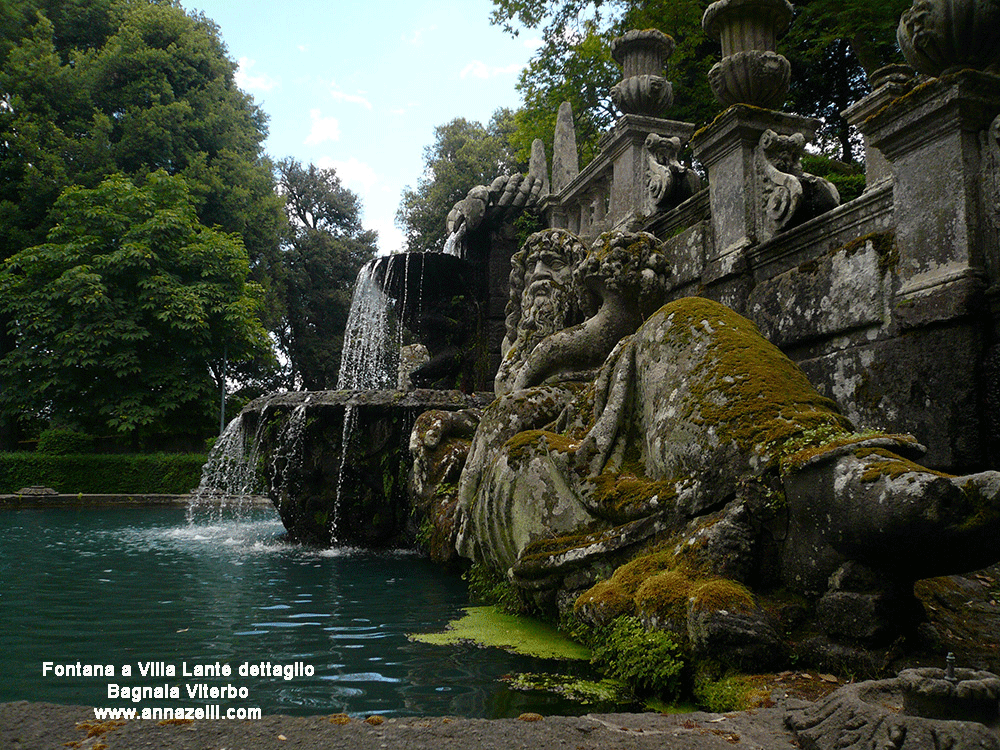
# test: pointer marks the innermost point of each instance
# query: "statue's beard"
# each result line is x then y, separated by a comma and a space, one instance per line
545, 309
545, 312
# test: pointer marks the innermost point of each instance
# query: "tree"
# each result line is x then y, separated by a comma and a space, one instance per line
581, 74
464, 154
92, 88
833, 48
831, 45
123, 316
319, 265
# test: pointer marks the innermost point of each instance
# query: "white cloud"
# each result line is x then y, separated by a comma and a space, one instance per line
532, 43
323, 129
390, 237
249, 82
479, 69
340, 96
355, 174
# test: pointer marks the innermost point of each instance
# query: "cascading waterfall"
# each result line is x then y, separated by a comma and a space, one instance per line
286, 458
230, 478
369, 361
242, 467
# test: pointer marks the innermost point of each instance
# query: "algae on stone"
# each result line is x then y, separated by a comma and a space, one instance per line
490, 627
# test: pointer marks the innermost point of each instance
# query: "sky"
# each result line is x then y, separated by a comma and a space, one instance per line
359, 85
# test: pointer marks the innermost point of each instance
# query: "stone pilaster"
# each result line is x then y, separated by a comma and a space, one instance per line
933, 140
726, 148
624, 146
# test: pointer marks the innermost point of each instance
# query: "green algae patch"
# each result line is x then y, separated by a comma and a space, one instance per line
490, 627
606, 692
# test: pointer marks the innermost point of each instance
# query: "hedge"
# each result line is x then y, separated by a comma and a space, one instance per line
126, 474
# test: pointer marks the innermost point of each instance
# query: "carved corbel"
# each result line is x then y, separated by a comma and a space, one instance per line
789, 196
668, 181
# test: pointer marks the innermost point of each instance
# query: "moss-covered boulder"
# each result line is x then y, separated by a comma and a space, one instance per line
701, 440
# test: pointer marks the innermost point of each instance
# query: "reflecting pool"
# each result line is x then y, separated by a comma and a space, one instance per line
134, 585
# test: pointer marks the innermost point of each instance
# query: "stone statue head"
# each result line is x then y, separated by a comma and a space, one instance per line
543, 296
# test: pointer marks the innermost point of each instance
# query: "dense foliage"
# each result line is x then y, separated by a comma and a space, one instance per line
132, 474
832, 44
464, 154
326, 248
123, 314
117, 90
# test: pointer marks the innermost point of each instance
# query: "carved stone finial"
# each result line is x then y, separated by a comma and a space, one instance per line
644, 90
750, 71
565, 158
943, 36
538, 166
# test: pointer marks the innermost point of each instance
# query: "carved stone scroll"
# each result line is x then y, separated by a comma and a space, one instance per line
789, 196
668, 181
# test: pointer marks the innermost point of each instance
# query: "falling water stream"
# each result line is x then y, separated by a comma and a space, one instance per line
218, 582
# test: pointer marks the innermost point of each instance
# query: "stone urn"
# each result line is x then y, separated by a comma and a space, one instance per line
750, 71
644, 89
944, 36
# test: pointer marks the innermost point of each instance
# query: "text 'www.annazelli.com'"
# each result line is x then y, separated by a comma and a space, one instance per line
149, 713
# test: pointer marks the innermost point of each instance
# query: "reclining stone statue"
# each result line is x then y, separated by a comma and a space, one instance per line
669, 462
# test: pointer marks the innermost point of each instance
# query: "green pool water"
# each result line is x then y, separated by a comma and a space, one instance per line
117, 586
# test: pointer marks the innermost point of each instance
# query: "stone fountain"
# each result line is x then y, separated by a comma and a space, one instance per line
704, 398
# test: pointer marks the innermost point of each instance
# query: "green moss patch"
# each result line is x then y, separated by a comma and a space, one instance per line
749, 391
886, 464
490, 627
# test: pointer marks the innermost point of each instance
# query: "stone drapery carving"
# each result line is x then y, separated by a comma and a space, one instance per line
668, 181
938, 37
505, 198
789, 195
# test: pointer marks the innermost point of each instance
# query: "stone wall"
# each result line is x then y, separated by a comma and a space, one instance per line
887, 302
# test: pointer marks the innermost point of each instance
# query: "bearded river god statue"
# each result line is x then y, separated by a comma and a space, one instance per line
669, 462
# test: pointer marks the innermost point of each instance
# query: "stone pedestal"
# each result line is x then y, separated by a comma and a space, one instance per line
876, 166
624, 146
933, 140
727, 148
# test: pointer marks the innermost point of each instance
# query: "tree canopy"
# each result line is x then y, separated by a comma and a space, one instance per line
90, 89
464, 154
832, 45
121, 317
98, 89
319, 264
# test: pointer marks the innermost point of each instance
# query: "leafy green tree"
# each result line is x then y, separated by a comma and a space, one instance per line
581, 74
319, 265
464, 154
833, 47
92, 88
124, 315
832, 44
